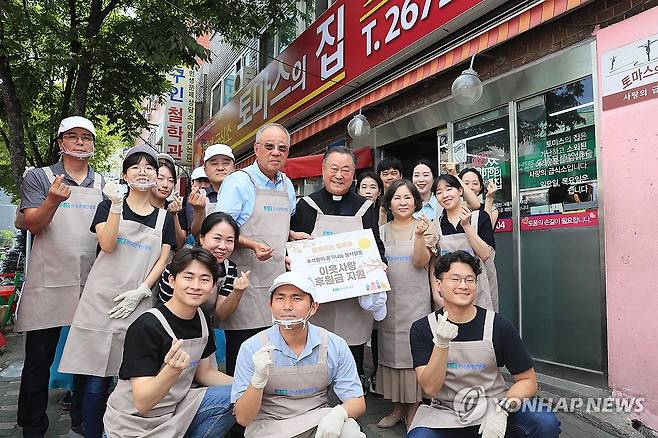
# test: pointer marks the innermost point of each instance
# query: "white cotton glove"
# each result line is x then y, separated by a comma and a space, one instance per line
262, 360
129, 301
375, 304
332, 423
445, 331
112, 191
494, 424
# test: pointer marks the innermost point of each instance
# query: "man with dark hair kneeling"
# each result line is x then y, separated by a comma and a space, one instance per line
165, 351
457, 353
283, 373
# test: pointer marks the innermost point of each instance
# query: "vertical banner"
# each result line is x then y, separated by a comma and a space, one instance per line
178, 138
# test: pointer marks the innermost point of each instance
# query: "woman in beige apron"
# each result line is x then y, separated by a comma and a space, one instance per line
131, 260
458, 216
174, 414
408, 242
269, 223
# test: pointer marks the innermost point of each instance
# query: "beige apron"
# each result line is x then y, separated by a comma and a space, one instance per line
473, 365
172, 416
459, 241
295, 397
95, 342
345, 318
492, 276
409, 300
60, 260
269, 223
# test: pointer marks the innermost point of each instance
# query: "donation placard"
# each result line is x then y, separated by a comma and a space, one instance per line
344, 265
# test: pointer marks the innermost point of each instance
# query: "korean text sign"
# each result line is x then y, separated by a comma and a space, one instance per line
351, 38
344, 265
178, 135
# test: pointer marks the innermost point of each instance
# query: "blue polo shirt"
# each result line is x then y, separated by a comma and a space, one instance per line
237, 195
430, 209
340, 363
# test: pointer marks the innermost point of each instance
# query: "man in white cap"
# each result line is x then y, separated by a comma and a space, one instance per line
199, 181
58, 203
283, 373
218, 163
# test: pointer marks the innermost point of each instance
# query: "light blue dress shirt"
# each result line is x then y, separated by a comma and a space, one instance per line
430, 209
237, 195
340, 363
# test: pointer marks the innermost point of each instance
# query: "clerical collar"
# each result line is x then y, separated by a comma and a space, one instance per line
336, 197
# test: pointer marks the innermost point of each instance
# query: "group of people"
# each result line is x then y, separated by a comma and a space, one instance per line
142, 277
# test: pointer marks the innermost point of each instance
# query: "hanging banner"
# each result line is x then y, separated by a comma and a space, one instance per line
178, 135
352, 42
560, 220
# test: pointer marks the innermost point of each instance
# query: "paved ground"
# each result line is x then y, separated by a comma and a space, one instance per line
10, 363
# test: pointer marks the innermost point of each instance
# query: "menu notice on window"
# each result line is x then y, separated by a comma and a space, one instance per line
567, 158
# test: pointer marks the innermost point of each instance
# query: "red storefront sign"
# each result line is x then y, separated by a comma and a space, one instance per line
353, 41
563, 220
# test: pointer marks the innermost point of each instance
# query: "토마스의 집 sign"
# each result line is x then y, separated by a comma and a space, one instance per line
344, 265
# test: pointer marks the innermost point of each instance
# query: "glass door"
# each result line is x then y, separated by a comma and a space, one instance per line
560, 263
487, 141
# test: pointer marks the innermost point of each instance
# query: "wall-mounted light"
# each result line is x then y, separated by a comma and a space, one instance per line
467, 88
358, 128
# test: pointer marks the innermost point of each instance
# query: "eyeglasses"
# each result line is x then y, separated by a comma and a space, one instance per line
86, 139
145, 169
283, 148
456, 279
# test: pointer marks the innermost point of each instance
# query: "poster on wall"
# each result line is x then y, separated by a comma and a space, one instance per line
629, 74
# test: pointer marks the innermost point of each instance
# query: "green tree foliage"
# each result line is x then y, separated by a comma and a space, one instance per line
101, 59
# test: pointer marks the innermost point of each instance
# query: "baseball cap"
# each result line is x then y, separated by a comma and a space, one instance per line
166, 157
295, 279
76, 122
218, 149
148, 150
198, 173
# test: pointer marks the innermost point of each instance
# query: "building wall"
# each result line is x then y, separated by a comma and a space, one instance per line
628, 142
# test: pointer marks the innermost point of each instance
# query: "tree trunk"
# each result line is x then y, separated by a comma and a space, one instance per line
14, 112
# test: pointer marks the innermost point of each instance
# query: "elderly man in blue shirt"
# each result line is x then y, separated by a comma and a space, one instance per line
261, 199
283, 373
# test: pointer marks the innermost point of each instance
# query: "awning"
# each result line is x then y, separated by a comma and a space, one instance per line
311, 165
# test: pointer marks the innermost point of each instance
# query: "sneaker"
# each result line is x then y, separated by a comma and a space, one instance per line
373, 384
65, 402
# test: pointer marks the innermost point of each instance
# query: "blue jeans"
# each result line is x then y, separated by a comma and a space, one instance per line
215, 415
94, 401
521, 424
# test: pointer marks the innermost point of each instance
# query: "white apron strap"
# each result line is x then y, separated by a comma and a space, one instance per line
159, 224
97, 181
361, 211
488, 325
324, 345
313, 205
165, 324
204, 323
475, 216
49, 174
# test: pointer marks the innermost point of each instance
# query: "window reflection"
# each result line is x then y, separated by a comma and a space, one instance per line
556, 148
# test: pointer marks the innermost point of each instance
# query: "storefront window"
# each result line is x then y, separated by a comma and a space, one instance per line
488, 150
556, 148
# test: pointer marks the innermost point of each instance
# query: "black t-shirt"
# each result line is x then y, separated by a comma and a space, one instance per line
485, 231
305, 215
168, 229
509, 348
147, 343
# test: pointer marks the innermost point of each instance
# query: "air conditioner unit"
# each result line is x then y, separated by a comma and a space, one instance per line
244, 76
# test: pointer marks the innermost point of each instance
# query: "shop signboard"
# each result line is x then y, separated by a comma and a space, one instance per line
588, 218
352, 42
629, 74
178, 119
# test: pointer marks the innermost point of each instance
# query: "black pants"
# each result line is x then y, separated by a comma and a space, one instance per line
235, 338
40, 346
374, 348
357, 353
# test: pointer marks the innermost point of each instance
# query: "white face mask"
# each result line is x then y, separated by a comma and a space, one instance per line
142, 187
288, 324
78, 155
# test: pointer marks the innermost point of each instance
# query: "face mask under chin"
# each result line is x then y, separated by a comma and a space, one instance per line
78, 155
141, 187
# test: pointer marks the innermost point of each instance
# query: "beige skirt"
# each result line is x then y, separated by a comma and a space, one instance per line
398, 385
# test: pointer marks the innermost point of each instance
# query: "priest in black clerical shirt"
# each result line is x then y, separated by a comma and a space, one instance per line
337, 209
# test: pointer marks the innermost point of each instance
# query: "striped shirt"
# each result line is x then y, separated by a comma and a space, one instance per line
227, 273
